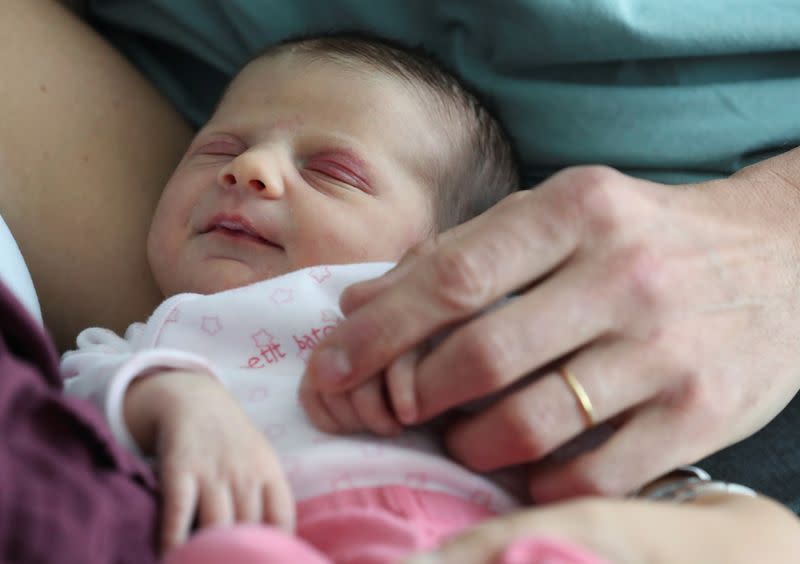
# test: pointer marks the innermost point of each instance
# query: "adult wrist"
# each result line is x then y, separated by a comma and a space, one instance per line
688, 483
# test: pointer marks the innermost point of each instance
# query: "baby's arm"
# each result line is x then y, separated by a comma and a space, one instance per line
212, 462
168, 404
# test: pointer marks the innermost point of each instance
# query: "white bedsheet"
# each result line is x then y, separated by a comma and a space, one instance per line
14, 272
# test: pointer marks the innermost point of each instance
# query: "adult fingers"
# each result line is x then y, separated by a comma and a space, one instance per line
358, 294
515, 243
573, 307
401, 387
635, 454
179, 499
544, 415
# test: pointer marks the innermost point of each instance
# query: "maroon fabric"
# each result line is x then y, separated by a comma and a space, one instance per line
68, 493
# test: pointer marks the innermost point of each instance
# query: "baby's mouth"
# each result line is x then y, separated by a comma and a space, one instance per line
237, 228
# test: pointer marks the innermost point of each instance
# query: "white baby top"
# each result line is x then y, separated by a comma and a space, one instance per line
256, 340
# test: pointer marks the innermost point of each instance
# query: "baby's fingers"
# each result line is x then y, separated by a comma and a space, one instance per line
278, 504
179, 500
316, 410
248, 503
369, 403
215, 506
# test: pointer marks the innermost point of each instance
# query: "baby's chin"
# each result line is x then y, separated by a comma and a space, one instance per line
216, 280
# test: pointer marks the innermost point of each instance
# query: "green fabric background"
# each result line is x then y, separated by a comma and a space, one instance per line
676, 90
672, 90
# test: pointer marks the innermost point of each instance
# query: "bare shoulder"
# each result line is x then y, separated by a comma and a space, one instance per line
86, 143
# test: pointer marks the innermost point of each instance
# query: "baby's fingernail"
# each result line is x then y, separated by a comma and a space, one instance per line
332, 365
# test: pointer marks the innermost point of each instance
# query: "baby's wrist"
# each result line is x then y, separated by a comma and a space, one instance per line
154, 395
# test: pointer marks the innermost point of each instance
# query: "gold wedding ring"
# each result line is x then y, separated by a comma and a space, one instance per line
580, 395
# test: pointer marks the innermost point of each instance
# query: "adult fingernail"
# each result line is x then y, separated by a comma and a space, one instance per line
332, 365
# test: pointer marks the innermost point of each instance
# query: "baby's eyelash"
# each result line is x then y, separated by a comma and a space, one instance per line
335, 171
220, 148
332, 168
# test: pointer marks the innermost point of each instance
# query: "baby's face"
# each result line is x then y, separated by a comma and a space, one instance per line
303, 163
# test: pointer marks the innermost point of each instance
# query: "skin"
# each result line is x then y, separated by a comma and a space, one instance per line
294, 169
80, 125
306, 160
103, 109
641, 532
675, 307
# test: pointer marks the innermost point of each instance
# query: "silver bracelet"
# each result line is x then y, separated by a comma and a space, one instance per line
689, 483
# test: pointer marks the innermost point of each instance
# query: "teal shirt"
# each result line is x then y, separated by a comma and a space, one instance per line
672, 90
678, 90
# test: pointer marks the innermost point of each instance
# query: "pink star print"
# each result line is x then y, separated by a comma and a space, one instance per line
282, 296
330, 316
173, 316
262, 338
320, 274
211, 325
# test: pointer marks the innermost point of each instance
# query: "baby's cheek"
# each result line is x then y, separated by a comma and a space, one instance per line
332, 245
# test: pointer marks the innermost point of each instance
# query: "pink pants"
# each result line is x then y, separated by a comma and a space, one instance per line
364, 526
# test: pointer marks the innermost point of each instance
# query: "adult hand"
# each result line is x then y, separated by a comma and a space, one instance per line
724, 529
213, 464
674, 307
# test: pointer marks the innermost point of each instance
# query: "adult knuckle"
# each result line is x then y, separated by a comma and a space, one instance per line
591, 175
459, 281
640, 275
528, 438
703, 406
489, 356
596, 192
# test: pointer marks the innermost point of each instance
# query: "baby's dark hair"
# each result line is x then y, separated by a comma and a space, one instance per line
481, 166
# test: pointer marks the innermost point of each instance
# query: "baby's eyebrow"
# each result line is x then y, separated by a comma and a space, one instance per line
291, 122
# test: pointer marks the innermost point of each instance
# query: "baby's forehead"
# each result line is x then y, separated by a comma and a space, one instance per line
348, 65
289, 66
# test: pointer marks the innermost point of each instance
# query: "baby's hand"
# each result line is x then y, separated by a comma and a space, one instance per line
212, 462
380, 405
